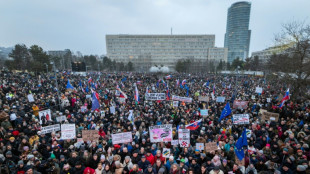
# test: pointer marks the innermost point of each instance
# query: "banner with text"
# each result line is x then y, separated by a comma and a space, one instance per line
220, 99
161, 133
90, 135
238, 104
184, 137
241, 119
155, 96
68, 131
125, 137
182, 99
212, 146
50, 129
45, 115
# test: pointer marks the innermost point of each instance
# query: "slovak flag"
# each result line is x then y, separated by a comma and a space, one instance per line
285, 98
183, 82
168, 93
193, 126
168, 77
137, 99
139, 82
89, 80
122, 94
178, 82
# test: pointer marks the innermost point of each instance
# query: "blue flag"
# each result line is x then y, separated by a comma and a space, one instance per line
207, 85
69, 86
95, 102
80, 84
86, 89
301, 123
225, 112
242, 141
187, 90
124, 79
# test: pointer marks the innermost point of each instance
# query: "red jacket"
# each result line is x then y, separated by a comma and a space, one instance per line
162, 159
150, 158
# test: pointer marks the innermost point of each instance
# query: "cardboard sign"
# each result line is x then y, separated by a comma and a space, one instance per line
238, 104
90, 135
241, 119
259, 90
212, 146
203, 98
182, 99
175, 142
30, 98
112, 109
155, 96
220, 99
166, 153
61, 118
161, 133
269, 116
68, 131
125, 137
204, 112
50, 129
184, 137
200, 146
45, 115
175, 104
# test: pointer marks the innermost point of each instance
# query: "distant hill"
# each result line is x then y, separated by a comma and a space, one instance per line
4, 52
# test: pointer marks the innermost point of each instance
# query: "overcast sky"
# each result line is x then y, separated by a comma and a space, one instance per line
81, 25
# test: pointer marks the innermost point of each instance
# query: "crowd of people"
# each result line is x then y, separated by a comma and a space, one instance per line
274, 146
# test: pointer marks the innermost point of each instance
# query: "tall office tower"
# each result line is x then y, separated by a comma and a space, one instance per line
237, 36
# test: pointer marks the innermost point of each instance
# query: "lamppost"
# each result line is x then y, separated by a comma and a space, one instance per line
54, 69
46, 68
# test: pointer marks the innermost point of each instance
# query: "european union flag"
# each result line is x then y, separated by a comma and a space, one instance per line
187, 90
124, 79
226, 111
242, 141
86, 89
69, 86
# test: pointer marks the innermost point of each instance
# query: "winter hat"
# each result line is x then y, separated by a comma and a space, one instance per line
30, 156
62, 156
182, 160
154, 146
53, 156
8, 153
301, 168
20, 162
161, 171
127, 158
285, 149
171, 158
102, 157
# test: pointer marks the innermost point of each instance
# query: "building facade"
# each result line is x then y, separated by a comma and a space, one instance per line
237, 36
62, 58
217, 54
146, 51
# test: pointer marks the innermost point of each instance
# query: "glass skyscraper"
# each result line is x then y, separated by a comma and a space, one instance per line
237, 36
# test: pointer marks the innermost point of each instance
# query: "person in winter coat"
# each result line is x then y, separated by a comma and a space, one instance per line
149, 170
149, 156
93, 163
127, 164
158, 165
107, 169
118, 167
159, 156
99, 169
216, 170
143, 163
175, 169
78, 169
224, 167
66, 169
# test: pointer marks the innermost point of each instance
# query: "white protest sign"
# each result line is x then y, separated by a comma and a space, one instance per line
174, 142
45, 116
204, 112
68, 131
50, 129
268, 100
175, 104
184, 137
112, 109
200, 146
182, 99
220, 99
161, 133
30, 98
259, 90
248, 133
155, 96
125, 137
241, 119
88, 96
253, 97
61, 118
121, 100
166, 153
83, 109
117, 93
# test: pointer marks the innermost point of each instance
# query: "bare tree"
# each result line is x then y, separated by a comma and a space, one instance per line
294, 59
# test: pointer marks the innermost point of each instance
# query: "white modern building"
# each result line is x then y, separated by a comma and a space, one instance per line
149, 50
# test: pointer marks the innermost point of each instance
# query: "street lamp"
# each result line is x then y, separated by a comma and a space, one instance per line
54, 69
46, 67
